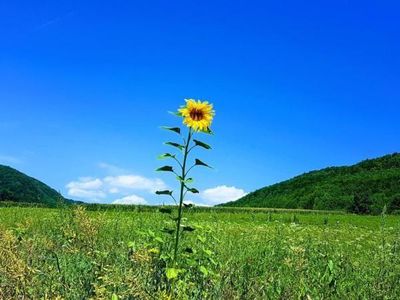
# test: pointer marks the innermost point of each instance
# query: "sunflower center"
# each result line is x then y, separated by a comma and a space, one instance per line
196, 114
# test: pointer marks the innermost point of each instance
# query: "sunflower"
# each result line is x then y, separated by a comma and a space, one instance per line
197, 115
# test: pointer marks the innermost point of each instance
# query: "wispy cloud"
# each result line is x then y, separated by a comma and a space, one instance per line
112, 169
135, 182
86, 183
92, 195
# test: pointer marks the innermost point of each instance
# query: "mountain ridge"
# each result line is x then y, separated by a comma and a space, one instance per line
16, 186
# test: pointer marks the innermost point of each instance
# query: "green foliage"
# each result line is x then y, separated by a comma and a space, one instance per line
174, 129
166, 192
188, 145
74, 253
166, 155
202, 144
165, 169
198, 162
194, 273
176, 145
361, 204
362, 188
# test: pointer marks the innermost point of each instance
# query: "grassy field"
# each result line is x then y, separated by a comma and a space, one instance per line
231, 254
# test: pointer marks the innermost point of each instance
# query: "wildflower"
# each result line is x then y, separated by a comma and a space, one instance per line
197, 115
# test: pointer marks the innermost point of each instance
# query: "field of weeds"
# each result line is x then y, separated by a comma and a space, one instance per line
74, 253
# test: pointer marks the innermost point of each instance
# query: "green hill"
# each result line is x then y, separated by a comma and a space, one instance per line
18, 187
362, 188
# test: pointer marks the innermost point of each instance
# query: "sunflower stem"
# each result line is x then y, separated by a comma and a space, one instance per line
182, 195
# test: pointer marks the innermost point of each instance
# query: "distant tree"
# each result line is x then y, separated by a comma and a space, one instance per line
394, 204
307, 202
6, 195
361, 204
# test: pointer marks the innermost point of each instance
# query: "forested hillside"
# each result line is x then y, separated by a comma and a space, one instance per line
18, 187
362, 188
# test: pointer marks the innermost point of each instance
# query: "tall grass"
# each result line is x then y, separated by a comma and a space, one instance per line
73, 253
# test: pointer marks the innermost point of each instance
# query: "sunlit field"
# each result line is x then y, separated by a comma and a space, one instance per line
78, 253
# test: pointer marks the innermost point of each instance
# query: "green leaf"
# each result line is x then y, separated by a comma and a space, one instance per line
204, 270
202, 239
172, 273
212, 261
168, 230
189, 250
179, 178
191, 262
165, 210
154, 251
165, 169
188, 229
198, 162
174, 129
189, 180
208, 131
193, 190
176, 113
166, 155
208, 252
176, 145
164, 193
201, 144
114, 297
158, 239
330, 265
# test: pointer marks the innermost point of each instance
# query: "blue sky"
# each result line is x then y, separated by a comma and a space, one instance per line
297, 86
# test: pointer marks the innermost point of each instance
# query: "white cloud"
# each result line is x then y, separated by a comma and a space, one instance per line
86, 187
86, 183
88, 194
131, 200
96, 189
113, 191
222, 194
135, 182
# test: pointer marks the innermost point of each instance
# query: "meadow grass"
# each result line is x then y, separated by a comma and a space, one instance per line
75, 253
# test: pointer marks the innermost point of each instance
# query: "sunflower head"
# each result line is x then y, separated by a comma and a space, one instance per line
197, 115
